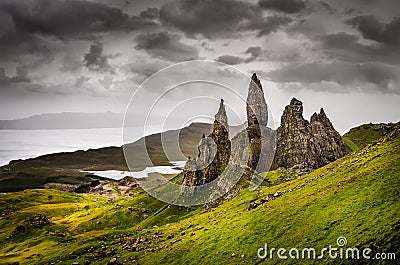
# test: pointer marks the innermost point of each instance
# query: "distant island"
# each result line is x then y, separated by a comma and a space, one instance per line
65, 120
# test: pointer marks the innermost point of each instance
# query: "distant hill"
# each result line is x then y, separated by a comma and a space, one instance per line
65, 120
365, 134
64, 167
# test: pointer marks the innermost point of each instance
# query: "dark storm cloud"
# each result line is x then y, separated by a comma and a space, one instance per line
72, 18
286, 6
340, 40
267, 25
4, 79
96, 60
379, 75
16, 46
255, 52
327, 7
218, 18
346, 47
371, 28
150, 14
145, 69
230, 59
21, 76
167, 46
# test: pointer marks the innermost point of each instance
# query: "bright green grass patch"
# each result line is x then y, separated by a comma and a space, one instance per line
365, 134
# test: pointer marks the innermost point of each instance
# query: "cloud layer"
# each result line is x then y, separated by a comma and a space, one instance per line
104, 49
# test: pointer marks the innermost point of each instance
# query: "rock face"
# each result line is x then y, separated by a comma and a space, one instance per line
257, 119
213, 153
306, 145
256, 108
329, 140
220, 136
299, 145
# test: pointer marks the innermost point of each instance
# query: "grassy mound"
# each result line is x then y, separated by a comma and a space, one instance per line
365, 134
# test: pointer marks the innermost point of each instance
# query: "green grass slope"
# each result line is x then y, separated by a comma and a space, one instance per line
356, 197
365, 134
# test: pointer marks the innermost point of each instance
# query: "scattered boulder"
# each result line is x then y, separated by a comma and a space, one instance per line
5, 214
83, 188
39, 221
112, 261
270, 197
132, 209
18, 230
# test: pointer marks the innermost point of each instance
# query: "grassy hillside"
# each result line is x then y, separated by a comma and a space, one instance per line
360, 136
355, 197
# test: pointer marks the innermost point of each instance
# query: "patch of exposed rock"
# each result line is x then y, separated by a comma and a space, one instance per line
213, 153
109, 188
329, 140
17, 231
39, 221
304, 145
257, 119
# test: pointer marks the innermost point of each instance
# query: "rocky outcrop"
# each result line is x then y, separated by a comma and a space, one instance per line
257, 119
306, 145
213, 153
328, 139
220, 136
300, 145
39, 221
256, 107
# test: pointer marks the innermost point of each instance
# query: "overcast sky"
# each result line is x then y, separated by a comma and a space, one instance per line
89, 56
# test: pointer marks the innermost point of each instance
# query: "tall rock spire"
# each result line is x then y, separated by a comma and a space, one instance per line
220, 135
257, 119
221, 116
213, 153
257, 111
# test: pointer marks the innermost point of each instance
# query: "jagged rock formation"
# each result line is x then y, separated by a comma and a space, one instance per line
257, 119
306, 145
300, 144
220, 136
329, 140
213, 153
256, 108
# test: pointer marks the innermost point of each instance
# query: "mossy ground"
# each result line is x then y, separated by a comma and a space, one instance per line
356, 197
365, 134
